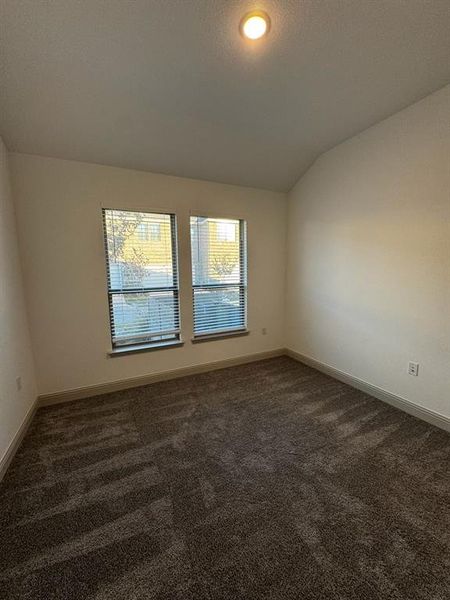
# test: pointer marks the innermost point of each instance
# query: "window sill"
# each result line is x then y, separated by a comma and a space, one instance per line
219, 336
145, 348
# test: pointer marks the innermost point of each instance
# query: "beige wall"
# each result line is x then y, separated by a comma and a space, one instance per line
15, 349
368, 270
369, 255
59, 214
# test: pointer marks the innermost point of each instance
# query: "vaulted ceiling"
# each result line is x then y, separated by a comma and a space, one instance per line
170, 86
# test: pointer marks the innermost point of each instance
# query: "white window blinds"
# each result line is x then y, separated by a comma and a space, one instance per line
141, 254
219, 275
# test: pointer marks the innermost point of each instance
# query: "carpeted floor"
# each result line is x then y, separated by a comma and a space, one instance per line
268, 480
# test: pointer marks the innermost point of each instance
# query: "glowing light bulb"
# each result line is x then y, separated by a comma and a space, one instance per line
255, 25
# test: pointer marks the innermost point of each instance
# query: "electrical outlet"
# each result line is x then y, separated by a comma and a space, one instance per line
19, 383
413, 369
264, 331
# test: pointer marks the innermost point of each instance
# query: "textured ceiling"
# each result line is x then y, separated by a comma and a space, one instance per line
169, 85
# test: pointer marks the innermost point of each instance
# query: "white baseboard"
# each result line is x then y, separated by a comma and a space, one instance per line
7, 457
407, 406
124, 384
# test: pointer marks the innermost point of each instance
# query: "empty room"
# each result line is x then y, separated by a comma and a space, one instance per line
224, 300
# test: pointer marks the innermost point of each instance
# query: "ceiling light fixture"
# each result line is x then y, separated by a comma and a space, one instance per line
254, 25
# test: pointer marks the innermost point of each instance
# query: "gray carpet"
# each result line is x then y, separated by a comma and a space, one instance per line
268, 480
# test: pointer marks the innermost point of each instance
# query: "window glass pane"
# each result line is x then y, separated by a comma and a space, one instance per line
139, 317
142, 276
218, 310
215, 251
140, 250
218, 274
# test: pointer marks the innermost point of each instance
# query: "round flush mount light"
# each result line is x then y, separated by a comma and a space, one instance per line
255, 25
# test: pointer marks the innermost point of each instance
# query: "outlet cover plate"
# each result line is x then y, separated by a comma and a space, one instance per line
413, 369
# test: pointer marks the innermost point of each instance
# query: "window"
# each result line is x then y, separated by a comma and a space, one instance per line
149, 231
142, 277
155, 232
226, 231
219, 275
142, 232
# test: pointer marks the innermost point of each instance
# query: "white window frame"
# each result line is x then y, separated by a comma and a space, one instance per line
175, 288
242, 285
